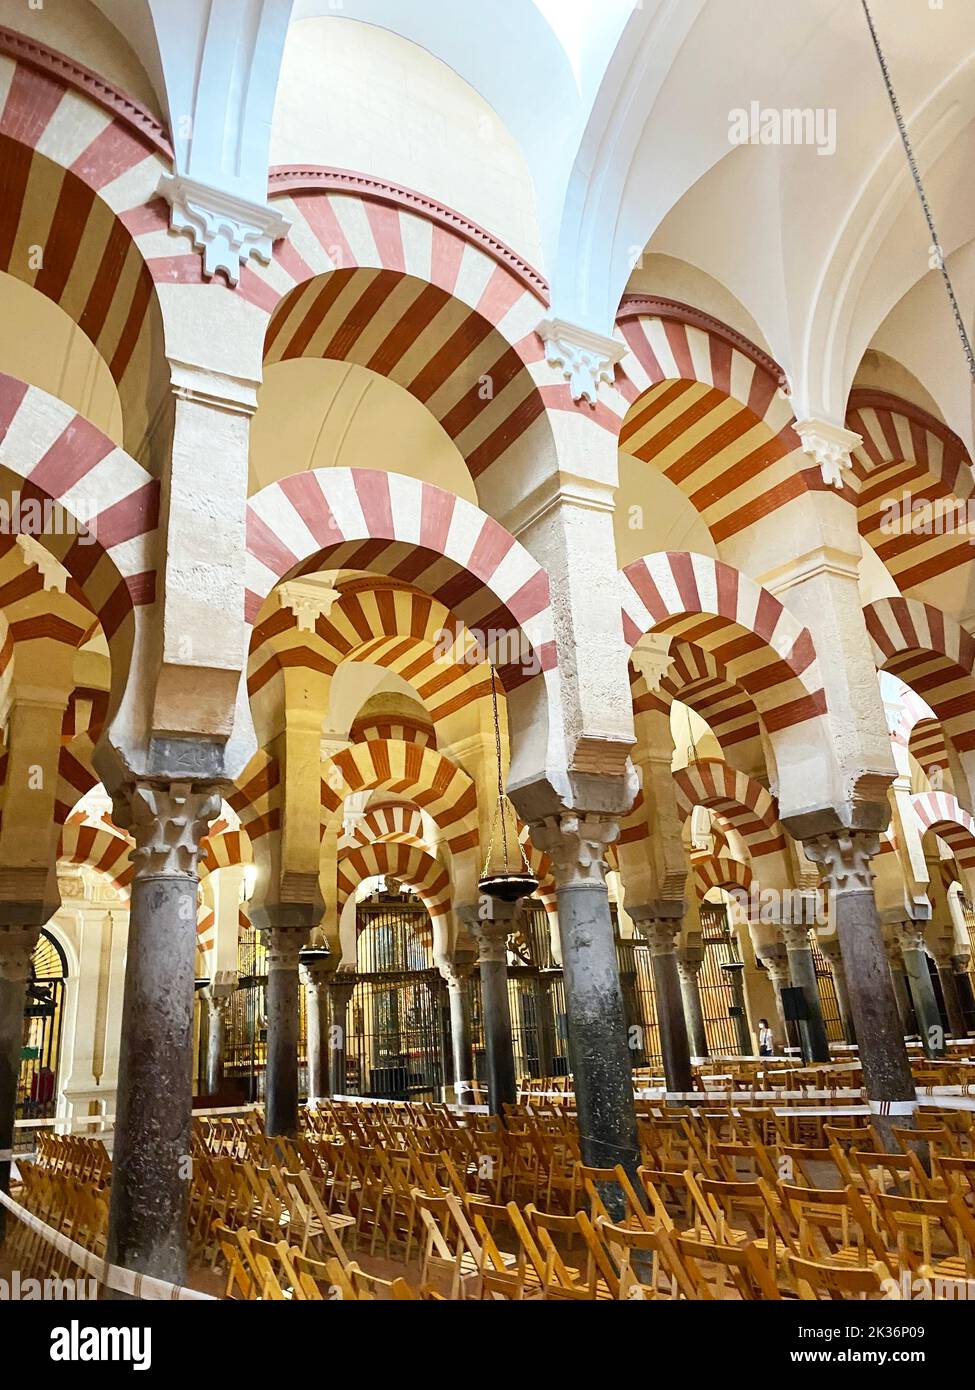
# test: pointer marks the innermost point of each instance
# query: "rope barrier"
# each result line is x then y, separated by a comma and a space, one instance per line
113, 1277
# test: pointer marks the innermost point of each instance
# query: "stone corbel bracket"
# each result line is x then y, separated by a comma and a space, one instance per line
831, 446
585, 358
229, 230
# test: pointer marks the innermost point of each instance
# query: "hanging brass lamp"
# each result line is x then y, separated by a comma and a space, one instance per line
505, 884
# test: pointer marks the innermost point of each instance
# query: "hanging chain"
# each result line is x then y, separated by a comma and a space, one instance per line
908, 150
502, 798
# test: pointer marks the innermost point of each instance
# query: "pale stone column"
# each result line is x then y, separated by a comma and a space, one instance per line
776, 960
600, 1055
802, 970
910, 939
491, 934
660, 924
151, 1163
218, 1007
830, 947
340, 988
689, 962
315, 976
844, 857
288, 934
16, 946
457, 975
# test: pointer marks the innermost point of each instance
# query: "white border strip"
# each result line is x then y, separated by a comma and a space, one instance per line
112, 1276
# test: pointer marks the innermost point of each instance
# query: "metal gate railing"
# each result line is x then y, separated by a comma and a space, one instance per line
37, 1086
828, 1001
720, 948
395, 1046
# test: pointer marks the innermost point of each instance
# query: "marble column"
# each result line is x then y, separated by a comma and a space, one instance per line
16, 946
802, 972
910, 939
961, 961
598, 1040
735, 971
218, 1007
457, 976
661, 929
830, 947
776, 961
287, 935
314, 977
151, 1159
844, 857
545, 1023
689, 962
902, 995
957, 1026
340, 989
491, 932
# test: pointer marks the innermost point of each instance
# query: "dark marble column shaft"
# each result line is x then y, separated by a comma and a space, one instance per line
802, 971
689, 962
151, 1159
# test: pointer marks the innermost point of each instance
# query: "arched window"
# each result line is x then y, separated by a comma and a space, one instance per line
43, 1011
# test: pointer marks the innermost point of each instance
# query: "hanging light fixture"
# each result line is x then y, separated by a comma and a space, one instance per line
505, 884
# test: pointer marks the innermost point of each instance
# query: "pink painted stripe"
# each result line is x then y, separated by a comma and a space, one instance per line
681, 348
267, 547
532, 598
490, 548
147, 217
74, 453
682, 569
304, 492
631, 633
436, 512
290, 259
499, 294
387, 233
763, 388
447, 253
319, 213
767, 614
111, 154
635, 335
31, 102
131, 516
12, 393
372, 489
646, 590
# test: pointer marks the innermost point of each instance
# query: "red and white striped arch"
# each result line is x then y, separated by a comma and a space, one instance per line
935, 656
943, 814
748, 632
80, 165
907, 451
224, 849
385, 623
376, 274
720, 871
366, 519
708, 409
422, 775
396, 727
55, 453
398, 823
695, 678
739, 800
418, 870
256, 798
100, 849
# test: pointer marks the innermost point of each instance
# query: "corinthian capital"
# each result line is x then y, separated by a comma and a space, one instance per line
585, 358
844, 858
576, 844
167, 824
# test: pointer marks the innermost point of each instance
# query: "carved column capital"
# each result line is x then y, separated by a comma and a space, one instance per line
340, 988
457, 973
284, 945
576, 843
960, 962
167, 824
689, 962
491, 936
795, 935
775, 958
909, 935
660, 932
844, 857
